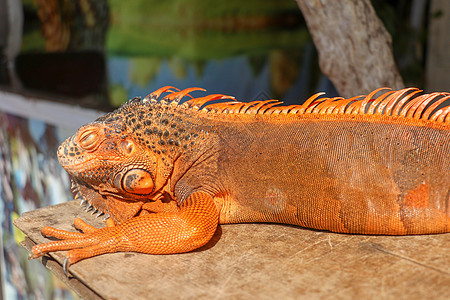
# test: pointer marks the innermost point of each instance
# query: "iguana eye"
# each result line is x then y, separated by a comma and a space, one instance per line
127, 146
137, 181
88, 139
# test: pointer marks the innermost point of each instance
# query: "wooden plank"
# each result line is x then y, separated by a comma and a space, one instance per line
83, 291
53, 113
262, 261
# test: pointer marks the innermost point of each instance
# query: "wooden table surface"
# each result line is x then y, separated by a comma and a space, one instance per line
257, 261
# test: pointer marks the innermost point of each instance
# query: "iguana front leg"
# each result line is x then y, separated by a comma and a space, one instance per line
191, 227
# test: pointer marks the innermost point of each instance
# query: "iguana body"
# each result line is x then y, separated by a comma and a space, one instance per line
168, 173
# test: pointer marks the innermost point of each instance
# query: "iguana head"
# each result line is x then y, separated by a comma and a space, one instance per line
113, 162
125, 158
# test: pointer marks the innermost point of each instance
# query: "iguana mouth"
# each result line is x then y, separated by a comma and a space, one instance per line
107, 204
81, 191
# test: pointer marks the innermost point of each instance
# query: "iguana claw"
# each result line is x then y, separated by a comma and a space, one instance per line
66, 265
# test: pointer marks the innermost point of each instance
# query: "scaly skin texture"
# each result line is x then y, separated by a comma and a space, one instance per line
167, 173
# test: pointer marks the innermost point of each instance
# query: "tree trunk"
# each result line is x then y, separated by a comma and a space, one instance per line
438, 57
355, 50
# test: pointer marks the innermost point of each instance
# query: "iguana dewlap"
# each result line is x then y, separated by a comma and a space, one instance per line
167, 173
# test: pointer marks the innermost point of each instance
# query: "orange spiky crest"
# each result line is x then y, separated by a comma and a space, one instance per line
403, 103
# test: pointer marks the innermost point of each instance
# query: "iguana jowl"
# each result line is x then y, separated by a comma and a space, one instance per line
167, 173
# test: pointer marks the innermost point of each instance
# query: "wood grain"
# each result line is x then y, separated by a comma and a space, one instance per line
265, 261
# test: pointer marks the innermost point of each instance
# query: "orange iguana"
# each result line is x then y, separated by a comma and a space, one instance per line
168, 173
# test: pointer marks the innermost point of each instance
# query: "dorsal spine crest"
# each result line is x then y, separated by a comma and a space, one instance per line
404, 103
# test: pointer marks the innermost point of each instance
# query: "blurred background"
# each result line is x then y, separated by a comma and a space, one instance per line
64, 62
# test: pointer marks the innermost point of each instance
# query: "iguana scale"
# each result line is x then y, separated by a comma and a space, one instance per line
167, 173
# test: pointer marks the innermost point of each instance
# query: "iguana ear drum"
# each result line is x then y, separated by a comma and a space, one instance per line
137, 181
